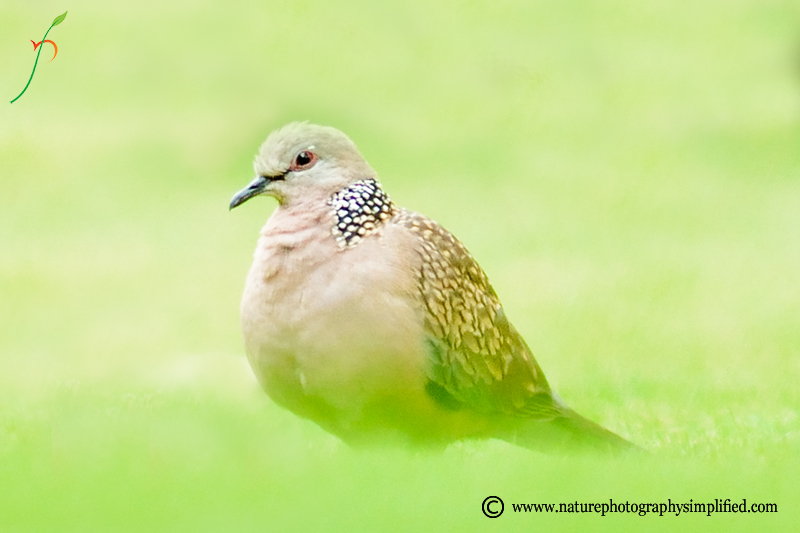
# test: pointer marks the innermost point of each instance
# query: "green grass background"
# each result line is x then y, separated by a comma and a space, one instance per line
627, 172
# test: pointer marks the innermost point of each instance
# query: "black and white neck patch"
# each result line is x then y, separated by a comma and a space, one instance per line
360, 209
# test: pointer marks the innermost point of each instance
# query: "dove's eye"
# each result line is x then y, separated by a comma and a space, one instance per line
304, 160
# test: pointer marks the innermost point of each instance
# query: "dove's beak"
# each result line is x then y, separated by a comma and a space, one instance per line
254, 188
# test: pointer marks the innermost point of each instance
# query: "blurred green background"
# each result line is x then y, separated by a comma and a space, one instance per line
627, 172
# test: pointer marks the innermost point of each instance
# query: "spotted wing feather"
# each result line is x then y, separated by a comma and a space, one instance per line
477, 359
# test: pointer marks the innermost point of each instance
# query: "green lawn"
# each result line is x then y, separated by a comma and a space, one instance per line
627, 173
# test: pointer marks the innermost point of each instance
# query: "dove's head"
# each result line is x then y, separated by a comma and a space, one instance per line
304, 162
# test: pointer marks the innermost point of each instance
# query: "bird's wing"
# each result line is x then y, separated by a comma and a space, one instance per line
477, 359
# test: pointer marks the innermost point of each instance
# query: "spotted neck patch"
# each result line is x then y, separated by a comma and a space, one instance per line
360, 209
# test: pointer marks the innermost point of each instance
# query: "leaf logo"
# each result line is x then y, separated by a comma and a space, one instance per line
56, 21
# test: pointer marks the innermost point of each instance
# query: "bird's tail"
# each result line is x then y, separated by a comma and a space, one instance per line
568, 433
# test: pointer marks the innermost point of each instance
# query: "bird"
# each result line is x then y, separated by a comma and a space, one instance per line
377, 324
